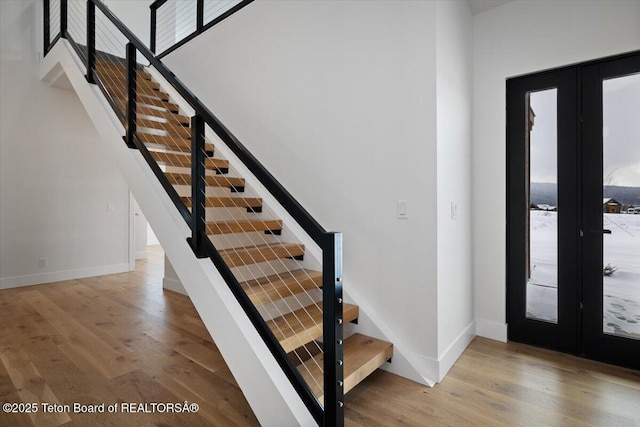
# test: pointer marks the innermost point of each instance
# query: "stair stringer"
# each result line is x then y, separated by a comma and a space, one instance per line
268, 391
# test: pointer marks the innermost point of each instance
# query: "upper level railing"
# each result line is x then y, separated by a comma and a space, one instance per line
113, 57
174, 23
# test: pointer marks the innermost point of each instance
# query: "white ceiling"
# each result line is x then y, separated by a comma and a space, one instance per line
478, 6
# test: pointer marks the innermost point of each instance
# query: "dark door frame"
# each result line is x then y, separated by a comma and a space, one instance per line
579, 139
560, 336
598, 345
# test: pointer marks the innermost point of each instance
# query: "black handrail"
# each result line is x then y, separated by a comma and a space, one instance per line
330, 243
302, 217
156, 4
201, 27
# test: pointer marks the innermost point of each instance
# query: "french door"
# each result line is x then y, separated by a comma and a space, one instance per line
573, 237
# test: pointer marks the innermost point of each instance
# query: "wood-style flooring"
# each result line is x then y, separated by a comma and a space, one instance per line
122, 338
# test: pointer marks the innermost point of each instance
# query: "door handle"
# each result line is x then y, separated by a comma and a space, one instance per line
603, 231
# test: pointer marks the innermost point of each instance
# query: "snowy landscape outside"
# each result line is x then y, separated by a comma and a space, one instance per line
621, 289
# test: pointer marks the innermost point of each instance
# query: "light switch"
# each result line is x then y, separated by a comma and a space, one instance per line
402, 209
454, 211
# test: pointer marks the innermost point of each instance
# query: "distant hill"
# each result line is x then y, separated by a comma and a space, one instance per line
545, 193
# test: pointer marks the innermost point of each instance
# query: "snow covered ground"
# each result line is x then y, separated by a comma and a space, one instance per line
621, 289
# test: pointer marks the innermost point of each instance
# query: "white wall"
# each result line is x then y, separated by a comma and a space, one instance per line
140, 227
519, 38
136, 15
348, 90
54, 185
456, 326
338, 100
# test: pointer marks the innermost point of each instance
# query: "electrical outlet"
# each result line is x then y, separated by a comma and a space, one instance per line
42, 262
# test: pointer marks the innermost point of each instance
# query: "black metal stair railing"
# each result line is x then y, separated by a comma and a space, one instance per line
53, 24
175, 23
108, 48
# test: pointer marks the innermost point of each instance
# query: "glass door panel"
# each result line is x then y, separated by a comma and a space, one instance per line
621, 206
542, 283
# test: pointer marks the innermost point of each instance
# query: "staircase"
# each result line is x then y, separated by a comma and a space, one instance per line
167, 136
283, 289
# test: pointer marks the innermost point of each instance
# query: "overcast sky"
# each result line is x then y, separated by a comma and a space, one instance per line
621, 133
544, 136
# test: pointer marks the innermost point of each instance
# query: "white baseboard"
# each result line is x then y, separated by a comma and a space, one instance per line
455, 350
492, 330
59, 276
141, 254
174, 285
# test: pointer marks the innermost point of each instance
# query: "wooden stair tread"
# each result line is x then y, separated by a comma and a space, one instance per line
158, 112
142, 87
248, 255
120, 73
184, 160
151, 84
172, 128
175, 143
178, 143
302, 326
173, 118
118, 85
145, 100
227, 202
118, 67
211, 180
242, 226
362, 356
278, 286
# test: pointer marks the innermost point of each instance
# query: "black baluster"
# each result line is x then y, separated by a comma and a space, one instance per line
198, 233
131, 88
91, 41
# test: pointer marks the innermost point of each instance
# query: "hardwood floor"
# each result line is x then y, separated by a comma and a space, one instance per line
121, 338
